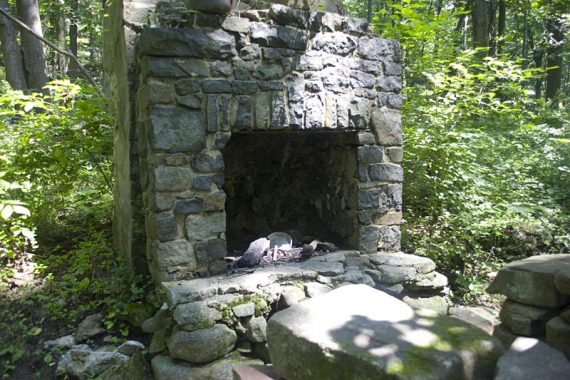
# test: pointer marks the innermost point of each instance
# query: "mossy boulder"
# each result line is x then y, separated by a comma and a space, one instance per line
362, 333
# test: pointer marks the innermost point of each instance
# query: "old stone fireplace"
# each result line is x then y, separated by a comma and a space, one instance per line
254, 122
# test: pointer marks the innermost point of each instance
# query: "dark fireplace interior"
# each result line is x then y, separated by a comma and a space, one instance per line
291, 181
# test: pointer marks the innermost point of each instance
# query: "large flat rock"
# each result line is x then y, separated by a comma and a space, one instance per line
357, 332
532, 281
531, 359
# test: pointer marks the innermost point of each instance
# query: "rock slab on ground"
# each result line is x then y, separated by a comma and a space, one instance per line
374, 335
531, 359
532, 281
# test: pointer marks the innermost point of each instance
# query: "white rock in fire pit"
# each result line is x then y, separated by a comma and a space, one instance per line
281, 240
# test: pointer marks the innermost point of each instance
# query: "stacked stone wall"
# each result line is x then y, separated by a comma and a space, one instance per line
538, 300
280, 69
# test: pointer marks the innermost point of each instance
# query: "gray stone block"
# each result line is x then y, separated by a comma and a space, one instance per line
359, 113
289, 16
368, 199
216, 86
390, 84
392, 68
558, 335
480, 316
395, 154
387, 126
262, 110
256, 329
314, 114
421, 264
268, 72
395, 101
437, 304
174, 259
211, 250
389, 238
369, 237
531, 359
244, 115
186, 42
187, 86
212, 113
208, 162
278, 36
386, 172
210, 6
335, 43
166, 67
371, 154
166, 226
177, 130
242, 87
221, 69
531, 281
562, 281
244, 310
192, 101
202, 346
236, 24
396, 274
172, 178
159, 92
524, 319
195, 316
376, 48
189, 206
359, 79
250, 53
278, 110
202, 227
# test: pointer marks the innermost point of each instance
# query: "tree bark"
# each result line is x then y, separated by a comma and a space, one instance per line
73, 35
502, 24
34, 55
13, 61
60, 29
481, 15
369, 13
554, 58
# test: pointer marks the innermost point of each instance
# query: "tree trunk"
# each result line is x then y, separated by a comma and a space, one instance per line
73, 34
33, 49
13, 61
60, 29
501, 28
369, 14
554, 57
481, 15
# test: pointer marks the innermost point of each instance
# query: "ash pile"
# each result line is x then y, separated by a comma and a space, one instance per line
278, 247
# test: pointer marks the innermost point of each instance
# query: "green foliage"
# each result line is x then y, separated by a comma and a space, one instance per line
77, 281
55, 151
55, 202
487, 165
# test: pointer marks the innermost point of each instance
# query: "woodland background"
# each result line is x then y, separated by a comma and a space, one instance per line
487, 154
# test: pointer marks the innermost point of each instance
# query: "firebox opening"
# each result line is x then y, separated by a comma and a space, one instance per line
291, 180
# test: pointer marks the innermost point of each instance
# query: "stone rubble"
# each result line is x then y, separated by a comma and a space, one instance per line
204, 319
538, 293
